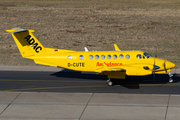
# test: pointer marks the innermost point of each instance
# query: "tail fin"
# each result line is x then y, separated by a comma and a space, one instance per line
27, 44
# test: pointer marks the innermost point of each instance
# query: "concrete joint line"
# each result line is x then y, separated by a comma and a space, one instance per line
167, 107
85, 107
43, 68
10, 103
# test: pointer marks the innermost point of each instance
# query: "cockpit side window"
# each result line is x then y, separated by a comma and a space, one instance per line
146, 55
139, 56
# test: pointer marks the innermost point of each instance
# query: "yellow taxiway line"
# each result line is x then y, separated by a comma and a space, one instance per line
52, 88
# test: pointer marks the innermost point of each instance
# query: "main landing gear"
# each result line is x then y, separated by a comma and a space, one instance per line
109, 82
170, 78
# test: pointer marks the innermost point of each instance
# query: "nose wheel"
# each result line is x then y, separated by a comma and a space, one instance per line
109, 82
170, 77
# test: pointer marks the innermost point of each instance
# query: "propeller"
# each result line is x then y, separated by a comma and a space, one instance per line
155, 55
154, 69
154, 77
165, 66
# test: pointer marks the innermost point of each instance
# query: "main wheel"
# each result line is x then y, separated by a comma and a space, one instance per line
109, 83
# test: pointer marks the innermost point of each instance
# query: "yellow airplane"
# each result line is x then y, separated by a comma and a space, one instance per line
115, 64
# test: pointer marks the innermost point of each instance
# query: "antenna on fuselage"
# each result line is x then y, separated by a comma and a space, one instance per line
85, 48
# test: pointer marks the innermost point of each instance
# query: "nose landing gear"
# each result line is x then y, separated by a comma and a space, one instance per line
170, 77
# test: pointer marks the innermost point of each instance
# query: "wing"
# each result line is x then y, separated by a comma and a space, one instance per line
117, 72
110, 69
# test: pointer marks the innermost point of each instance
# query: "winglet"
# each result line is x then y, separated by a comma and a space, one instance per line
116, 48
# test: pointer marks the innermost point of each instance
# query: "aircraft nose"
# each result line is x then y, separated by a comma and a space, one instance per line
169, 65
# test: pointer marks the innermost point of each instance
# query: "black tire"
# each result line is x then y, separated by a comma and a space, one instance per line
109, 83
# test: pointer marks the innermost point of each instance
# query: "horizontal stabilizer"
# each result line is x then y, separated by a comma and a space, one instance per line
16, 30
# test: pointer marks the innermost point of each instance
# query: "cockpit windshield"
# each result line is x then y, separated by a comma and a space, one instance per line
146, 55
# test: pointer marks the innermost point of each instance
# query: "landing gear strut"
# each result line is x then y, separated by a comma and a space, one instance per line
109, 82
170, 78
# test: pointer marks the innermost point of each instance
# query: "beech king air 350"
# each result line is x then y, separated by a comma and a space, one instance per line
115, 64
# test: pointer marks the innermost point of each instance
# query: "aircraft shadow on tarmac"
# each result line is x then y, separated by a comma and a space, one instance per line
131, 82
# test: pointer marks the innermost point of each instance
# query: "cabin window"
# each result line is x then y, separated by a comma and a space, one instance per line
91, 57
115, 56
97, 56
70, 57
127, 56
109, 57
81, 57
121, 56
139, 56
102, 56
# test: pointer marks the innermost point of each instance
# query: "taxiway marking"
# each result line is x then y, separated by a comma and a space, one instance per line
4, 80
52, 88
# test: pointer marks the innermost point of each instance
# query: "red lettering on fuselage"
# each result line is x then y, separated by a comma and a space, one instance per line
107, 64
99, 64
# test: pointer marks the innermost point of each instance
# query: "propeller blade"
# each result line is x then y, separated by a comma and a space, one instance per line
154, 77
165, 66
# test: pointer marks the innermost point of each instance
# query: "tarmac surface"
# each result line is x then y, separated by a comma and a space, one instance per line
38, 93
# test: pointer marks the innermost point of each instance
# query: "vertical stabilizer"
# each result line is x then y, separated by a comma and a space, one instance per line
27, 43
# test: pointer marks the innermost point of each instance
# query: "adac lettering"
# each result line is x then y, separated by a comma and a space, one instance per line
76, 64
107, 64
34, 44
